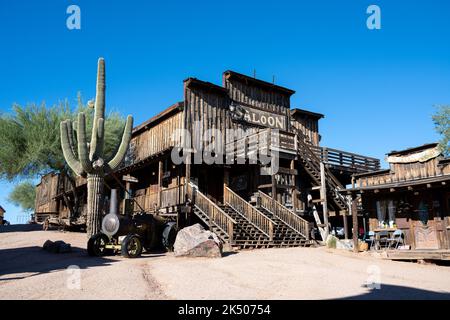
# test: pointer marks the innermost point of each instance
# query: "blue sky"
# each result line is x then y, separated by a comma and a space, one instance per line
377, 88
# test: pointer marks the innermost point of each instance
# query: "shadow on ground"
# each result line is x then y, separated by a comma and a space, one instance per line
20, 228
35, 261
392, 292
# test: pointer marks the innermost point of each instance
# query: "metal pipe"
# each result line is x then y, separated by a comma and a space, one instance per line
113, 202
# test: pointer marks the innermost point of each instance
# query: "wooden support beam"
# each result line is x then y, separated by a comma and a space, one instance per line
323, 195
160, 177
294, 187
354, 210
344, 218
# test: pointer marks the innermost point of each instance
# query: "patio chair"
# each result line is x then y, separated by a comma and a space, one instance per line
370, 239
382, 240
397, 238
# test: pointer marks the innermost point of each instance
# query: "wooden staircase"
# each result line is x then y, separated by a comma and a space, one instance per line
241, 225
311, 163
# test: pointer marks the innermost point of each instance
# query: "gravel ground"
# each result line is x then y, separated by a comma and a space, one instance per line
28, 272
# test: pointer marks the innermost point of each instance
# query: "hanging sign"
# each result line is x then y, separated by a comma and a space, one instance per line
258, 117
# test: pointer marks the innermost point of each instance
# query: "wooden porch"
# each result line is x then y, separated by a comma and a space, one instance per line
416, 255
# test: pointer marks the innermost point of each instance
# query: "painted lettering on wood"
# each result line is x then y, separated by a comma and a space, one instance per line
258, 117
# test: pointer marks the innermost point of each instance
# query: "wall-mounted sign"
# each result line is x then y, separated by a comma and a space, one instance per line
258, 117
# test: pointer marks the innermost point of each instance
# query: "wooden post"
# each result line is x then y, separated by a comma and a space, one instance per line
128, 180
344, 218
160, 175
354, 211
294, 188
226, 181
274, 187
323, 196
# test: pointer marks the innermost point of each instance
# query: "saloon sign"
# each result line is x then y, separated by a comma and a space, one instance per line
258, 117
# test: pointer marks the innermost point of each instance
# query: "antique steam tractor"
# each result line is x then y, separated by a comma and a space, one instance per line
131, 234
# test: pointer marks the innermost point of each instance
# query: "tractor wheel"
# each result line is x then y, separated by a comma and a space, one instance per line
96, 245
131, 246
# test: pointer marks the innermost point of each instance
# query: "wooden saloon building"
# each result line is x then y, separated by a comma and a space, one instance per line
247, 202
413, 196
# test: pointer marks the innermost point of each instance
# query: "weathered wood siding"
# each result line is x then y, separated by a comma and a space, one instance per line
309, 126
46, 192
155, 139
207, 107
257, 96
400, 172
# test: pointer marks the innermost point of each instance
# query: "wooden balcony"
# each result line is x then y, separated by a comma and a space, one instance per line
346, 161
285, 143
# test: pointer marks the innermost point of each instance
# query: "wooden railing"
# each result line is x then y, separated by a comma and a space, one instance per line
148, 202
152, 201
343, 159
263, 142
172, 196
284, 214
213, 211
256, 217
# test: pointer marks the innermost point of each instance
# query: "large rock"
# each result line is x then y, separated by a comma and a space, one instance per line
57, 246
195, 241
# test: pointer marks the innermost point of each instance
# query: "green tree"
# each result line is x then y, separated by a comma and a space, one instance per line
23, 195
441, 121
30, 142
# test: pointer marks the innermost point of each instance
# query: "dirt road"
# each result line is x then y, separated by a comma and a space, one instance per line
28, 272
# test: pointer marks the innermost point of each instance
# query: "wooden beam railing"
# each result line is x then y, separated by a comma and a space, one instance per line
284, 214
261, 141
169, 197
346, 159
212, 210
256, 217
172, 196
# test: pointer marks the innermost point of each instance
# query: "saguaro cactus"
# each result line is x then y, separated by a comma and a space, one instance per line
91, 162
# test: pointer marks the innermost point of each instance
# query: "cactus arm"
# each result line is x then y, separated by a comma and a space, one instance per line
121, 152
73, 163
83, 152
99, 108
100, 138
71, 136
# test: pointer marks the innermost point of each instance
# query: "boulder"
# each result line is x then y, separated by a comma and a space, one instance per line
57, 246
195, 241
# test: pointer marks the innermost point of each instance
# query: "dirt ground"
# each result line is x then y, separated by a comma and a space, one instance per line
28, 272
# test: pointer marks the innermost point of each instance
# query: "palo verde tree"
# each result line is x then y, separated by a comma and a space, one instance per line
91, 161
30, 147
23, 195
441, 121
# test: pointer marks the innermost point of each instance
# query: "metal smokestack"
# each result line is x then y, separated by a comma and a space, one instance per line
113, 202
